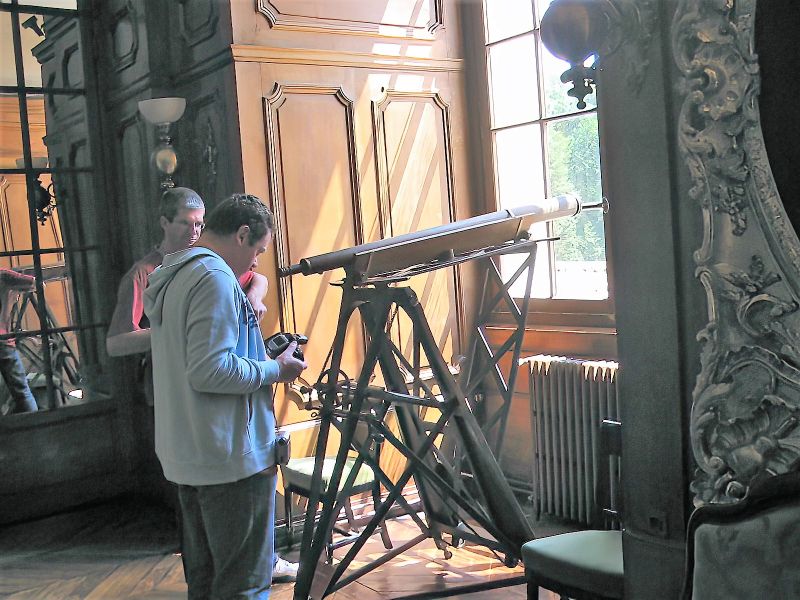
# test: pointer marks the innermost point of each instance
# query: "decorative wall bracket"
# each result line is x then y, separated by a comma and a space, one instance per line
576, 30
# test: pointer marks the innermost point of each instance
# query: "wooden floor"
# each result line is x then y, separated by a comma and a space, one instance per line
127, 549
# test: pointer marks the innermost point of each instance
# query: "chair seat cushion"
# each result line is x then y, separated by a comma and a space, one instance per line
299, 471
589, 560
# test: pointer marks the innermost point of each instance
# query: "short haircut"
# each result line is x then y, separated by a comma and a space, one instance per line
179, 198
237, 210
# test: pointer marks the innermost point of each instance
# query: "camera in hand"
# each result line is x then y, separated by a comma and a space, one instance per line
277, 344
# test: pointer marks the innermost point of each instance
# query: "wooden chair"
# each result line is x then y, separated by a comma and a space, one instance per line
750, 549
584, 565
297, 480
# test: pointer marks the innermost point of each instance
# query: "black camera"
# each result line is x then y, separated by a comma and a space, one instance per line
277, 344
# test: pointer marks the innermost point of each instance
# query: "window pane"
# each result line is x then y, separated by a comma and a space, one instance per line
541, 287
580, 257
574, 266
520, 171
541, 8
505, 18
10, 134
513, 82
32, 38
573, 158
573, 166
520, 181
556, 100
8, 75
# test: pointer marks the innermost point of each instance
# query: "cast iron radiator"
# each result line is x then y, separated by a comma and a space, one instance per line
569, 400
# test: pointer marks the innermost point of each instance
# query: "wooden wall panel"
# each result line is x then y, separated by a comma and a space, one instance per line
207, 137
400, 17
200, 138
357, 145
200, 47
49, 468
137, 207
124, 36
313, 183
415, 187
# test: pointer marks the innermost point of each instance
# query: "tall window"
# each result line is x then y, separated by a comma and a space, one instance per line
49, 257
544, 146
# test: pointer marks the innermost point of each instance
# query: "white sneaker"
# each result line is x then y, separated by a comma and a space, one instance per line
284, 571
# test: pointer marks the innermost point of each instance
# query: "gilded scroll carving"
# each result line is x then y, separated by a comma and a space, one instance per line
746, 402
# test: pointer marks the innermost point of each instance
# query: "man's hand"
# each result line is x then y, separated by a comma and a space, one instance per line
290, 366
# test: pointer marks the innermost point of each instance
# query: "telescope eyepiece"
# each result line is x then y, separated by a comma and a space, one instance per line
293, 269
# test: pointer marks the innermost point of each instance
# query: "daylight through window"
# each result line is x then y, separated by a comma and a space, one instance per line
544, 146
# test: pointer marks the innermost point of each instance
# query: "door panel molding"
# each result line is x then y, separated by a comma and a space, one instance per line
402, 138
319, 17
296, 117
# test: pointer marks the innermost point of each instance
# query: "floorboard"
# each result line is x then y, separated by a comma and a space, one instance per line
128, 549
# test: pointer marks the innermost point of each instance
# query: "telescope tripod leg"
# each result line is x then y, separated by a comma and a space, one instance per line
502, 507
315, 537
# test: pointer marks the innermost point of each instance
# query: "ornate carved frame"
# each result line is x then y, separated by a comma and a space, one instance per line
746, 401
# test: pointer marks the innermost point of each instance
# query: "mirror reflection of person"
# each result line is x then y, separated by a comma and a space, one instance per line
14, 375
181, 219
214, 412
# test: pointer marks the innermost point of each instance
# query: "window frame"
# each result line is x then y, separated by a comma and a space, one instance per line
565, 314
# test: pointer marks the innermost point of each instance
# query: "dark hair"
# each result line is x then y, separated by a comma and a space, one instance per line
175, 199
237, 210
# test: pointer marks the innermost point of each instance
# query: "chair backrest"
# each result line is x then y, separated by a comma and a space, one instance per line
366, 436
608, 490
749, 549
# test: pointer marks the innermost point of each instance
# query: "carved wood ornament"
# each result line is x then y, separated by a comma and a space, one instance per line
746, 401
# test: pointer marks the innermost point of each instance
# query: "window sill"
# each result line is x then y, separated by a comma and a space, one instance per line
577, 342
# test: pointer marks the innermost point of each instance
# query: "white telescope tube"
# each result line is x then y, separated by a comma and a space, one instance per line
458, 237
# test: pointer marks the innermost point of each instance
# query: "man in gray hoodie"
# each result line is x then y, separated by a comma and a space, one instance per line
214, 417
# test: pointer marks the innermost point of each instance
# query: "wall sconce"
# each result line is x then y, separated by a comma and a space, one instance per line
32, 23
163, 112
45, 200
575, 30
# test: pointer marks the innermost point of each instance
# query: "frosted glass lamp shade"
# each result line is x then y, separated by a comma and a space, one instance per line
162, 110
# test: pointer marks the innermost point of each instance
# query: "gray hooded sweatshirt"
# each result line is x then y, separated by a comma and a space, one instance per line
214, 414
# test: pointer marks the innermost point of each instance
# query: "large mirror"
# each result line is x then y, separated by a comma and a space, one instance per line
777, 23
48, 247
